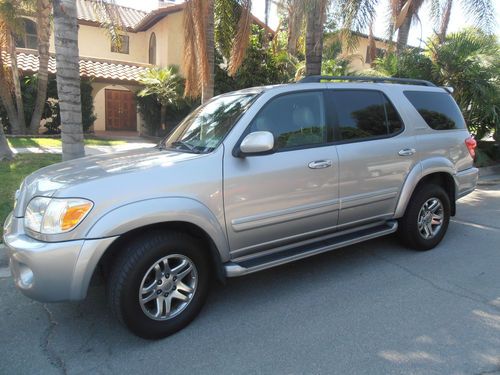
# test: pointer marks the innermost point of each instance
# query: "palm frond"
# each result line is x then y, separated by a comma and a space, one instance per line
242, 37
482, 13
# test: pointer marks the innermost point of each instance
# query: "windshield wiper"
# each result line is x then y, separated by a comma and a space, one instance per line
185, 146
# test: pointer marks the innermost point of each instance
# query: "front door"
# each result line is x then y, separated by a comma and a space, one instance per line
290, 195
121, 111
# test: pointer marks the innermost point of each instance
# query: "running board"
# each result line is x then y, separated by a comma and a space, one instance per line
271, 260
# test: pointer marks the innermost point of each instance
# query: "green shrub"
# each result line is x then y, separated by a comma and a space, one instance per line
51, 110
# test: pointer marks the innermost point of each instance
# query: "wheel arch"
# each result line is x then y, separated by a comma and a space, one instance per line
180, 226
177, 213
439, 171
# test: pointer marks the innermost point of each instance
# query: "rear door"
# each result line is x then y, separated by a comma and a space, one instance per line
292, 194
375, 151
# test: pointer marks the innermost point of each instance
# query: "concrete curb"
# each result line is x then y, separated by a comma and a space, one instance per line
4, 260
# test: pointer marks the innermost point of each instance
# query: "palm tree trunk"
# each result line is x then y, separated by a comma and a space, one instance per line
68, 78
20, 126
403, 33
314, 37
5, 151
8, 103
43, 25
207, 90
267, 8
445, 21
163, 117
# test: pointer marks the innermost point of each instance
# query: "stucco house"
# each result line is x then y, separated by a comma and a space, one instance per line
148, 39
154, 38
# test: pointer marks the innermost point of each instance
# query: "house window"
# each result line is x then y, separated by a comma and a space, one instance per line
121, 45
152, 49
28, 38
379, 53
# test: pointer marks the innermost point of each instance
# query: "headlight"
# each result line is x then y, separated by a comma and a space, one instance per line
53, 215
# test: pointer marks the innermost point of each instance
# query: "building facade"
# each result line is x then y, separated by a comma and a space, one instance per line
146, 39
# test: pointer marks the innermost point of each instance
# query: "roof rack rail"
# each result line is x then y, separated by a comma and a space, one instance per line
311, 79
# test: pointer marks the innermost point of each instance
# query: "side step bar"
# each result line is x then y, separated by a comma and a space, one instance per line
271, 260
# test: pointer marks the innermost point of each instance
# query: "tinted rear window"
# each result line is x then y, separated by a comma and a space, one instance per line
438, 109
364, 114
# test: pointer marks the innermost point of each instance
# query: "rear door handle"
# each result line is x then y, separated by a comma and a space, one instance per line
320, 164
407, 152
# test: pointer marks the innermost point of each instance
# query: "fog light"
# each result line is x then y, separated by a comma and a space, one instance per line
25, 276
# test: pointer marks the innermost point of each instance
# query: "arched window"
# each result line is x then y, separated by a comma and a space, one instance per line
152, 49
28, 39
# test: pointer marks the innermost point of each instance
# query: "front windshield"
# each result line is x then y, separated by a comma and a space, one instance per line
205, 128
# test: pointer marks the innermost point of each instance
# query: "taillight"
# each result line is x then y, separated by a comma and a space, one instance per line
471, 144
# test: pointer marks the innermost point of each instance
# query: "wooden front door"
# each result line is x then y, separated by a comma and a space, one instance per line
121, 113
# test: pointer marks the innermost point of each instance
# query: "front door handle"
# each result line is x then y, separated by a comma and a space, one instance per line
320, 164
407, 152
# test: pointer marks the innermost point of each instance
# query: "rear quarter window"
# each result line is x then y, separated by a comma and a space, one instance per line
438, 109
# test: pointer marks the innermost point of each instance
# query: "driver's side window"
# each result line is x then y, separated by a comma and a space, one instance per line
295, 120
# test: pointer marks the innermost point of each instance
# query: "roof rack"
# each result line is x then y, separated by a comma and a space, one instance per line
311, 79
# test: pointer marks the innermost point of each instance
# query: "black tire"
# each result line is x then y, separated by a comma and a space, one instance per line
130, 268
408, 230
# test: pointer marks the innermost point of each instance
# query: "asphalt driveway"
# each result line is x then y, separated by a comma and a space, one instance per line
374, 308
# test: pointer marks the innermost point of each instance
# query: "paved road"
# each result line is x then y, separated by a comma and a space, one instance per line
374, 308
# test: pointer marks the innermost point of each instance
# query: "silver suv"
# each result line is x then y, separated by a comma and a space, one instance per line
251, 180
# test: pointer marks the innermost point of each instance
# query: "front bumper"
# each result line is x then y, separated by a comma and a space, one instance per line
466, 181
51, 271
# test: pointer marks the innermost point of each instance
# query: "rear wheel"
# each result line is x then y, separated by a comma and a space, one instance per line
426, 218
159, 284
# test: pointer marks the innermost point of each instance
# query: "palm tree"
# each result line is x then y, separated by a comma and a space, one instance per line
5, 151
481, 12
316, 15
10, 87
68, 78
199, 45
43, 14
166, 85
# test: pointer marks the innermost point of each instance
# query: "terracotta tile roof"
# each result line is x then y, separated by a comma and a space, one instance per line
91, 11
89, 67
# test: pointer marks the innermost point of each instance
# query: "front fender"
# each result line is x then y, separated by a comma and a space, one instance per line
160, 210
418, 172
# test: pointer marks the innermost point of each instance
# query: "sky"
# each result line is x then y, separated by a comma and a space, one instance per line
418, 32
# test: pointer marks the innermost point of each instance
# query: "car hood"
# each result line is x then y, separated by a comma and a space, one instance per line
67, 175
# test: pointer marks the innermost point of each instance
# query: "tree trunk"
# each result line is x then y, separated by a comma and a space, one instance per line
5, 151
445, 21
43, 29
163, 117
267, 8
68, 78
403, 34
314, 37
207, 90
8, 103
20, 126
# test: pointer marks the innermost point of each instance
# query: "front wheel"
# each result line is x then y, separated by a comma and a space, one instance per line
426, 218
159, 284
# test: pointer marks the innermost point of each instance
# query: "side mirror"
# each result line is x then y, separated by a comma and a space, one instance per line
257, 143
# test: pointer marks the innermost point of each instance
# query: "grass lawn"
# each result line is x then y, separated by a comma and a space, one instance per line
13, 172
55, 142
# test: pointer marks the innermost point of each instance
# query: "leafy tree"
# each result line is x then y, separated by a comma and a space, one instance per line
468, 61
166, 85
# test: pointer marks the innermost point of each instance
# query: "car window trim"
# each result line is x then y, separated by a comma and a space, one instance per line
328, 123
